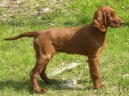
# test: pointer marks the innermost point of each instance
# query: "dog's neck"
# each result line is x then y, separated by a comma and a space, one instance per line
93, 27
98, 34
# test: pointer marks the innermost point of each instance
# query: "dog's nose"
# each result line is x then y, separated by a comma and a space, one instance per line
122, 22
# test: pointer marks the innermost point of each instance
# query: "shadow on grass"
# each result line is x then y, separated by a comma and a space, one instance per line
65, 85
16, 85
26, 85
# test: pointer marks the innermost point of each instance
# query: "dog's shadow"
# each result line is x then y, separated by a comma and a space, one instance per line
26, 85
66, 85
16, 85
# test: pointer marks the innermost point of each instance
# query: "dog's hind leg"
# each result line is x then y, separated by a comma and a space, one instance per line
44, 76
42, 58
50, 52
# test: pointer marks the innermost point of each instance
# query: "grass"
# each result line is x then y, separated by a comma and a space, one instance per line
17, 58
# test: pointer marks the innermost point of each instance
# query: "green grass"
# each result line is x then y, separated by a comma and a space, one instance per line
17, 58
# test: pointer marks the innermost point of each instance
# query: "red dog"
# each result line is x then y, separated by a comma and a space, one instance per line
88, 40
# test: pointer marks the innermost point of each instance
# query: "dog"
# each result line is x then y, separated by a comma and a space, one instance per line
88, 40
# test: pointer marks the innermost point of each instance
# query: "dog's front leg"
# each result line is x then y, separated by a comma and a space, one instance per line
94, 72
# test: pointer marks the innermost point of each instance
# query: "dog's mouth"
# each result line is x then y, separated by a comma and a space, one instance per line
116, 25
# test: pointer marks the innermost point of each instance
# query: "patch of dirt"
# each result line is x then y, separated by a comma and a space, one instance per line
15, 9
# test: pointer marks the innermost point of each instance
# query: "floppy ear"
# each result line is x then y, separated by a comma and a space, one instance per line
99, 21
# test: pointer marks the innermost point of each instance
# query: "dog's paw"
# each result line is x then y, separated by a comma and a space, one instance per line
99, 86
40, 91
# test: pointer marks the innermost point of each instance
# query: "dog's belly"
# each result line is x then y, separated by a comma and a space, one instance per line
72, 49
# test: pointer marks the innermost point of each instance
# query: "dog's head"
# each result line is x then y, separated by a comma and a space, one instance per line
105, 17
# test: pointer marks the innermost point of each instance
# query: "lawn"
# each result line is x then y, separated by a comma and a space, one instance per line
17, 58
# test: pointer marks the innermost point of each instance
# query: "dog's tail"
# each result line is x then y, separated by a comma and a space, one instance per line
26, 34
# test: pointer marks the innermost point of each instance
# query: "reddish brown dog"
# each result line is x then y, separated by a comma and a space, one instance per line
87, 40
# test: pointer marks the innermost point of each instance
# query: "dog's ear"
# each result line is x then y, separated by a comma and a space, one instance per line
99, 20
